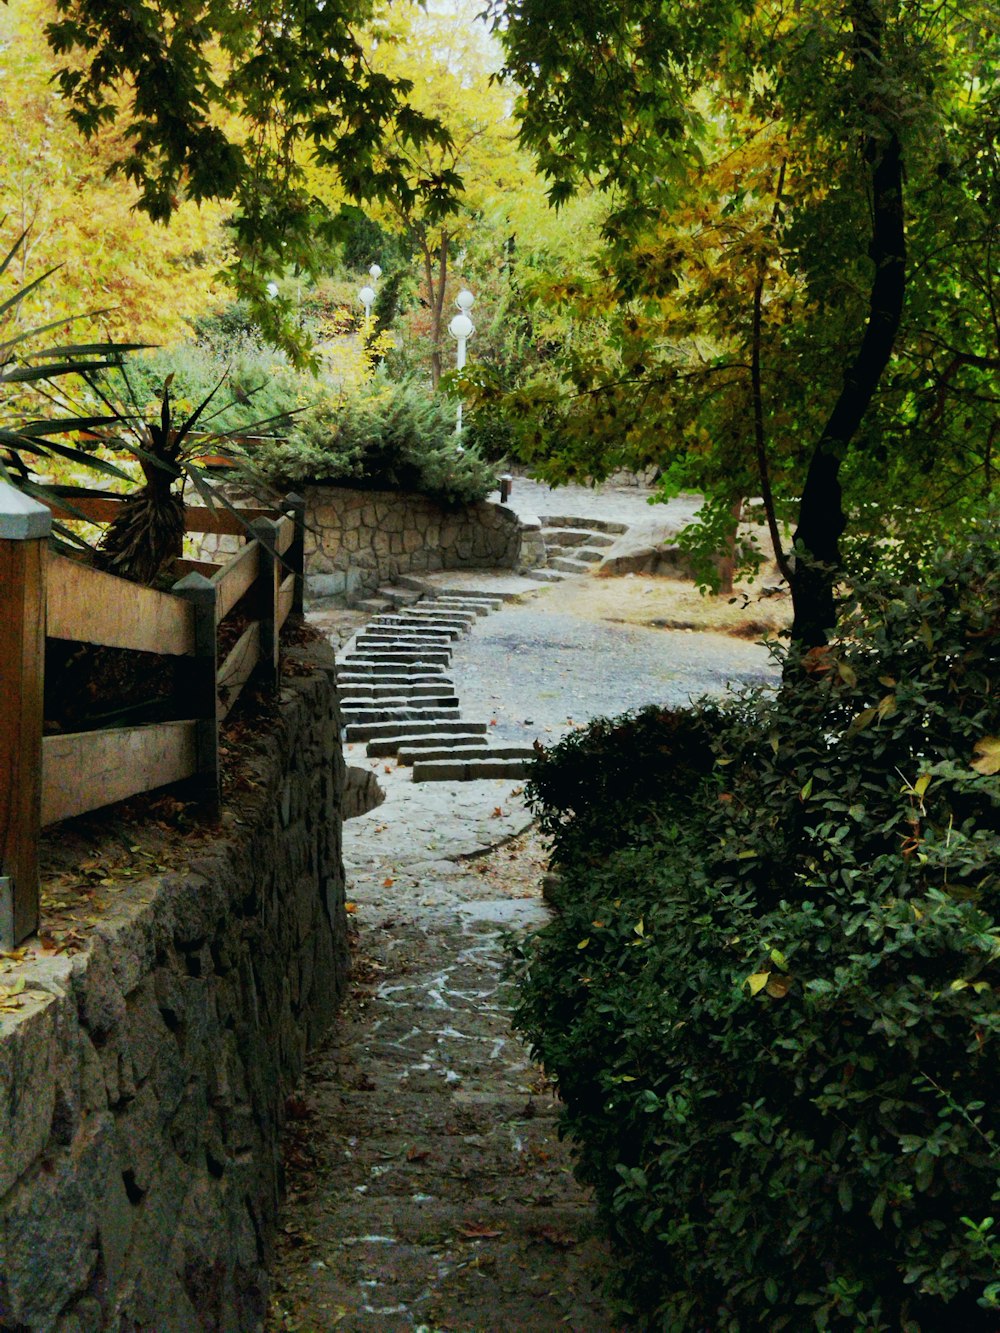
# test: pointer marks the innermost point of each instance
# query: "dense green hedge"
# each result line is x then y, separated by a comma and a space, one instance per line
769, 998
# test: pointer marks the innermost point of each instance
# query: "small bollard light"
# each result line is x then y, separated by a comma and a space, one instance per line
506, 482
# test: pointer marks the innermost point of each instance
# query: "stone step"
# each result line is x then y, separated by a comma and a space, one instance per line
593, 524
410, 626
373, 605
400, 711
349, 680
420, 615
568, 566
460, 604
575, 537
400, 596
433, 740
396, 690
410, 754
377, 731
404, 644
469, 770
352, 708
472, 595
401, 656
454, 629
410, 620
548, 575
368, 667
589, 554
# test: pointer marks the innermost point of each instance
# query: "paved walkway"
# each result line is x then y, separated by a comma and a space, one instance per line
624, 504
427, 1184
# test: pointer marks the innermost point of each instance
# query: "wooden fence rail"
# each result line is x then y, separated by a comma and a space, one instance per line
47, 595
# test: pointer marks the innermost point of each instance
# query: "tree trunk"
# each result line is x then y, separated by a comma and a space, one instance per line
821, 514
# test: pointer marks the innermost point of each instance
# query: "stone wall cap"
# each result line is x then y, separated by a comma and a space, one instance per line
22, 519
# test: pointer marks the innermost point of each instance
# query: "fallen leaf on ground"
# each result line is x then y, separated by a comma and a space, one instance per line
479, 1231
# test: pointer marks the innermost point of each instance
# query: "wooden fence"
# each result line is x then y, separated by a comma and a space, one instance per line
47, 595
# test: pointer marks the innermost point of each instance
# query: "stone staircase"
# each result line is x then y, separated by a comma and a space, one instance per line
573, 545
398, 696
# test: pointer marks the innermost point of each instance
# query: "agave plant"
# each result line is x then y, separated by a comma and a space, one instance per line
147, 533
24, 443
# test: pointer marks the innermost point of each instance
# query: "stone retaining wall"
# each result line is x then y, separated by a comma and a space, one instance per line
143, 1082
358, 541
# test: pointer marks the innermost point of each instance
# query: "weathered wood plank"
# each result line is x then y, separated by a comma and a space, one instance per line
285, 533
96, 607
94, 508
184, 566
286, 599
199, 518
88, 769
238, 667
236, 577
22, 682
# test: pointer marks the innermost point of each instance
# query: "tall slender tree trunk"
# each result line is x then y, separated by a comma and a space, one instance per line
821, 513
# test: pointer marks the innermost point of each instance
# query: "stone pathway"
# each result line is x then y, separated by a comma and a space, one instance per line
427, 1185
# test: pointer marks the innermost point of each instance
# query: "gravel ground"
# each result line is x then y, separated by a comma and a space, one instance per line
623, 504
539, 670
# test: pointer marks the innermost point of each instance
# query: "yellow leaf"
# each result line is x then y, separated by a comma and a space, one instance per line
886, 706
640, 927
778, 958
778, 987
988, 755
757, 981
922, 783
583, 943
863, 719
847, 674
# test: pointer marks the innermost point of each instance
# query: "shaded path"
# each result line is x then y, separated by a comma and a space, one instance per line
427, 1186
426, 1182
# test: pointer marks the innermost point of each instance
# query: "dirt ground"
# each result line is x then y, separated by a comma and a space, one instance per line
664, 603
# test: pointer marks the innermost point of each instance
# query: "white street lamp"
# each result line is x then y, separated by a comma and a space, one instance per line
367, 294
461, 329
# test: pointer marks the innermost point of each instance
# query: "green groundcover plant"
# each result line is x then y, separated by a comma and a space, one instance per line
769, 997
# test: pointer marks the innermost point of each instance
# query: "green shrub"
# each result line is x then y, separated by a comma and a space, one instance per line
770, 997
387, 437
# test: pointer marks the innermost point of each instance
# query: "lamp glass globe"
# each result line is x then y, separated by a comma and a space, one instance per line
465, 300
366, 295
374, 272
461, 327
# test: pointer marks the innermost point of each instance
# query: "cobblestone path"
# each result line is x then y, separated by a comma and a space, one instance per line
427, 1185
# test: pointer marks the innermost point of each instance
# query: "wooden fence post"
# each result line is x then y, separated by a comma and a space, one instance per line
202, 594
295, 556
266, 531
24, 531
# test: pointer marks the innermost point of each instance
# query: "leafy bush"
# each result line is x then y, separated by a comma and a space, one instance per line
397, 437
379, 436
770, 998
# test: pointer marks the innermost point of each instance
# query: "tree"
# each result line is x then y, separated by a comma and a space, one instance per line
453, 60
868, 226
146, 280
218, 102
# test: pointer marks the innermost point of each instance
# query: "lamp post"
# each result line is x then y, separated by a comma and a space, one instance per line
367, 294
461, 329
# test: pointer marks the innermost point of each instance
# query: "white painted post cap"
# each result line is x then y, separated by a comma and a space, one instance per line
22, 519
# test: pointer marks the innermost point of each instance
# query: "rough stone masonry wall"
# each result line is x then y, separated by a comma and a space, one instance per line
143, 1083
359, 540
